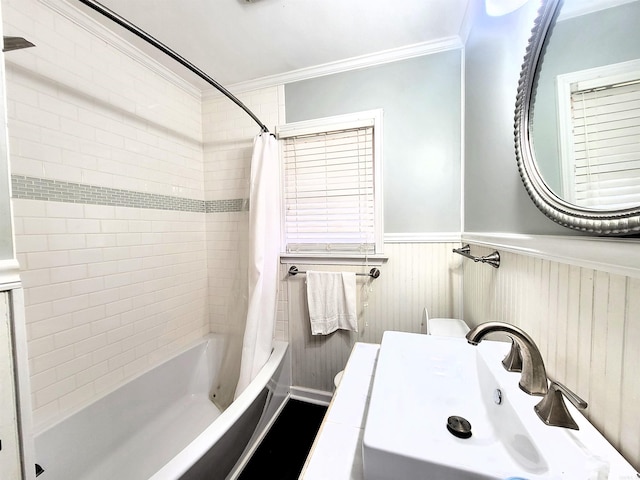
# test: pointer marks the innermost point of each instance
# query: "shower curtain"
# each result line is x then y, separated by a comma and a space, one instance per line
264, 249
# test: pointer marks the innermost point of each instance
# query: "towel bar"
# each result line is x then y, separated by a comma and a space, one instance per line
373, 273
492, 259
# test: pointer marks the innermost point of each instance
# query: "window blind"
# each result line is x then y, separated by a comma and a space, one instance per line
329, 191
606, 145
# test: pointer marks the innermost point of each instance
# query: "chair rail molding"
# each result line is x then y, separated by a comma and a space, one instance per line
612, 255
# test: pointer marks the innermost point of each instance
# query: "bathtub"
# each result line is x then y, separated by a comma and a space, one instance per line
162, 425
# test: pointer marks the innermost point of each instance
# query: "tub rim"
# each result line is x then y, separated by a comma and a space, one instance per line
191, 453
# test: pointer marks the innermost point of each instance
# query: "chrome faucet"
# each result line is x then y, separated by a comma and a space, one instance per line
534, 376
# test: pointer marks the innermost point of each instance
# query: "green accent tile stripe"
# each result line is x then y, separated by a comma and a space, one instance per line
32, 188
223, 206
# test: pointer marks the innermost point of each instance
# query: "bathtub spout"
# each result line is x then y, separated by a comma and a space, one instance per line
533, 379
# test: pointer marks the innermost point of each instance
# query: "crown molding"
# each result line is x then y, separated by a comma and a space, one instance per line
354, 63
89, 24
95, 28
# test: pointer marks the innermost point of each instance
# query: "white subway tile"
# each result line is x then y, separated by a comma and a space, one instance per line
88, 315
90, 344
103, 297
70, 368
71, 336
87, 255
98, 240
48, 293
52, 359
67, 273
70, 304
99, 211
35, 278
82, 225
121, 306
89, 285
65, 211
122, 359
106, 352
92, 373
78, 397
49, 326
62, 172
106, 324
29, 208
53, 392
37, 312
41, 346
44, 226
27, 167
43, 379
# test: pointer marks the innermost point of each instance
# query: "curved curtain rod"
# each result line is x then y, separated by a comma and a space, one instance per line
123, 22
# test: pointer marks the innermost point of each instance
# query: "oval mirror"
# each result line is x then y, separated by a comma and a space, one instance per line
577, 121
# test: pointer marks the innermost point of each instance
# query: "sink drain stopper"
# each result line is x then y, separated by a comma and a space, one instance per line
459, 426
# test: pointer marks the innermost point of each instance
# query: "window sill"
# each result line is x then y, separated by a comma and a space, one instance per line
336, 259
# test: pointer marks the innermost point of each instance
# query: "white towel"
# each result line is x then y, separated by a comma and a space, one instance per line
332, 301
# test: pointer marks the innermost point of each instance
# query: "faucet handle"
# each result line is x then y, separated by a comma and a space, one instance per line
513, 361
552, 409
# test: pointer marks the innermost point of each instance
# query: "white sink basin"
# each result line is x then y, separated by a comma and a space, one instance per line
421, 380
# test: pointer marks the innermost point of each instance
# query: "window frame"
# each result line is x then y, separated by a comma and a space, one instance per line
329, 124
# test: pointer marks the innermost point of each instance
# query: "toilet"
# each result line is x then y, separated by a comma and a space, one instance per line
442, 327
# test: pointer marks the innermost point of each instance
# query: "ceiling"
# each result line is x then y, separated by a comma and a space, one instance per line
236, 41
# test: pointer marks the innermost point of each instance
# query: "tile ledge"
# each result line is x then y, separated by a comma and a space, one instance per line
613, 255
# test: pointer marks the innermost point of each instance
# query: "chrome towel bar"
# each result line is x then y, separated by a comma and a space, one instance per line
492, 259
373, 273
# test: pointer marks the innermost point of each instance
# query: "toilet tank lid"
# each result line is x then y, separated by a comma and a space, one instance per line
447, 327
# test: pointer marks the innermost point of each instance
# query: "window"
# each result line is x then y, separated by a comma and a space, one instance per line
332, 190
602, 140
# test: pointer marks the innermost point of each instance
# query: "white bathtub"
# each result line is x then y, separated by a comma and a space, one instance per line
161, 425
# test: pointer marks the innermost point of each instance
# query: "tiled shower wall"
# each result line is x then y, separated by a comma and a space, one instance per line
106, 157
417, 275
228, 134
228, 144
585, 322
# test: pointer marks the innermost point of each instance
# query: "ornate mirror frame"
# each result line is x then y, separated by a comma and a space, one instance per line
598, 222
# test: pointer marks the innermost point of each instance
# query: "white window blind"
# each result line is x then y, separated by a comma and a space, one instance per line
606, 145
329, 191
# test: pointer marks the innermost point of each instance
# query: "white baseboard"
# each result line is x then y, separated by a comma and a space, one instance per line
309, 395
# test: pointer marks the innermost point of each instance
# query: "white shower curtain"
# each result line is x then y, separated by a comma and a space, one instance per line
264, 249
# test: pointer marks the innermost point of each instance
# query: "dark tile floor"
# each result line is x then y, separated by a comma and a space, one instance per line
283, 452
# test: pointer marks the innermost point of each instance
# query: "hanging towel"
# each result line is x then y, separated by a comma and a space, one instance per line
332, 301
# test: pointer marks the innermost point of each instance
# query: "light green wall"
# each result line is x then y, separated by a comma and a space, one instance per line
421, 102
495, 198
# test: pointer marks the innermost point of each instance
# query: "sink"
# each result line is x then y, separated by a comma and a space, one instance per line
426, 388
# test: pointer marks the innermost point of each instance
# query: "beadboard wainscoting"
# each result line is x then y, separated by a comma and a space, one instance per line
586, 323
417, 275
